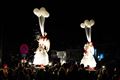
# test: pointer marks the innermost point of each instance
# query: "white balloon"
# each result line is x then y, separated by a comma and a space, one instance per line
92, 22
36, 11
82, 25
87, 23
44, 12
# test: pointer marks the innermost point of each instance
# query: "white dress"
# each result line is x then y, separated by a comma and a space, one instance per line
41, 56
88, 58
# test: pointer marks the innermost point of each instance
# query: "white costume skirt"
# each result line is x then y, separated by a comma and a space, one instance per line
88, 60
40, 58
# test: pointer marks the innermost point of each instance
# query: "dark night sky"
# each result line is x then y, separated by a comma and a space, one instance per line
20, 24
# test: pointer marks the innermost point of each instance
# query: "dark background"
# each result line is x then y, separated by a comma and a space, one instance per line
20, 25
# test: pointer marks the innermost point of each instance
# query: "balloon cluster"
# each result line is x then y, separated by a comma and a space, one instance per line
87, 24
41, 14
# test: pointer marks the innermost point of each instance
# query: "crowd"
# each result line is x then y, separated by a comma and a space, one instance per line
56, 71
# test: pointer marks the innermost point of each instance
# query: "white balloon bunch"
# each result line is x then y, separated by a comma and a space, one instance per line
41, 14
87, 25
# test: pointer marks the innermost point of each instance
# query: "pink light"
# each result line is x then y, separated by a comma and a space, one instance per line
24, 49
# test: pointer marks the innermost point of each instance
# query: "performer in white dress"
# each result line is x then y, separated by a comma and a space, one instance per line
88, 58
41, 57
41, 54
